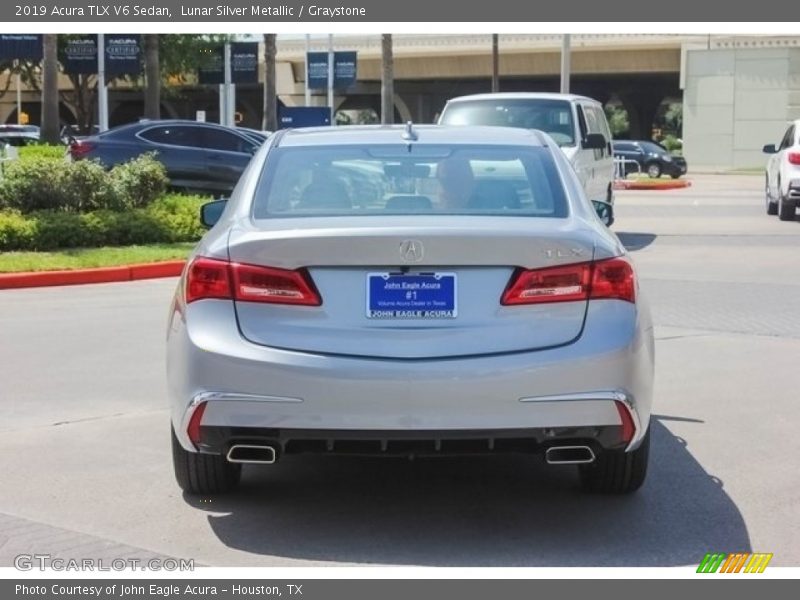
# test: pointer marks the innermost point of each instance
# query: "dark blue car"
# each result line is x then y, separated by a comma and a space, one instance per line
197, 156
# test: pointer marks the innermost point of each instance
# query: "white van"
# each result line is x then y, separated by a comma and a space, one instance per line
576, 123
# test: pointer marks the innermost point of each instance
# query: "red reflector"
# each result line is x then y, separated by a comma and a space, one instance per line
277, 286
193, 430
554, 284
208, 278
613, 278
628, 428
80, 149
794, 158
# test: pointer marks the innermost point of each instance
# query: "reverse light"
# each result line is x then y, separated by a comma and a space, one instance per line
214, 278
612, 279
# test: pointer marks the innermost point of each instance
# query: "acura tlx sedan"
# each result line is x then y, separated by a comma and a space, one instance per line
409, 291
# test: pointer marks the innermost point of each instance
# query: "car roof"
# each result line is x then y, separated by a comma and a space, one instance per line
523, 96
424, 134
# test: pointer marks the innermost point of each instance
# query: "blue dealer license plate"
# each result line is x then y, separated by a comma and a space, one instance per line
411, 296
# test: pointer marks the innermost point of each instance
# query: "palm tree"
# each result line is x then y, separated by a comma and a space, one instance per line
387, 79
152, 77
270, 122
50, 121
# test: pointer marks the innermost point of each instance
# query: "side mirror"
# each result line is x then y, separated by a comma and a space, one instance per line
770, 149
212, 211
605, 211
594, 141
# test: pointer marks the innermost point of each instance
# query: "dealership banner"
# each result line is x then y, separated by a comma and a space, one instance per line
344, 69
244, 64
20, 47
123, 55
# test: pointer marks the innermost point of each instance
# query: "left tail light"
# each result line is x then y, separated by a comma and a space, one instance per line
80, 148
612, 278
193, 429
221, 279
794, 157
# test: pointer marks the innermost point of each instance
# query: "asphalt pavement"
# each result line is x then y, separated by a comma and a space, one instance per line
85, 467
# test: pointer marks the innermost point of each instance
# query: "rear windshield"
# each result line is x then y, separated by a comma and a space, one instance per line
551, 116
410, 179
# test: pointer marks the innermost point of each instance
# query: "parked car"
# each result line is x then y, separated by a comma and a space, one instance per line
783, 175
19, 135
577, 124
474, 304
652, 158
197, 156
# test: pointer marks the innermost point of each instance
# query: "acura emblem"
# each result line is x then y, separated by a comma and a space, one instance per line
412, 250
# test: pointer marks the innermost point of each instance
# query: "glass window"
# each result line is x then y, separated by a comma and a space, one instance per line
179, 135
217, 139
551, 116
389, 179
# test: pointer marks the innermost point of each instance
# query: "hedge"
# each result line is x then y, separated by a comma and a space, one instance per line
40, 182
172, 218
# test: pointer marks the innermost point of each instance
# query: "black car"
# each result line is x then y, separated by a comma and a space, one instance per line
652, 158
197, 156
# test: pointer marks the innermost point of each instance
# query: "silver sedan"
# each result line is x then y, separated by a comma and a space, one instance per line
409, 291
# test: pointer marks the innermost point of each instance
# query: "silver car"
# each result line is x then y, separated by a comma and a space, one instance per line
409, 291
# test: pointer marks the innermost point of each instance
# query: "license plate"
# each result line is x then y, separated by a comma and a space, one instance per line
411, 296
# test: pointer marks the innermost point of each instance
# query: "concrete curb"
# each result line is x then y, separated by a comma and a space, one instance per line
171, 268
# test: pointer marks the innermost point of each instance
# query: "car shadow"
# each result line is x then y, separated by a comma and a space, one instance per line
480, 511
635, 241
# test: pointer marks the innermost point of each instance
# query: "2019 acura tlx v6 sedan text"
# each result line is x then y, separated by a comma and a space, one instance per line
409, 291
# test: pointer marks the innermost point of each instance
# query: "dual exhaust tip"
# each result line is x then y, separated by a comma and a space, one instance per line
252, 454
569, 455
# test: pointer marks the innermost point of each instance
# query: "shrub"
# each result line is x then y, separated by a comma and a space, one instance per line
42, 151
138, 182
42, 183
172, 218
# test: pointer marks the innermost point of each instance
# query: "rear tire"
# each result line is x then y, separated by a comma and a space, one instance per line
772, 207
654, 170
786, 210
617, 471
198, 473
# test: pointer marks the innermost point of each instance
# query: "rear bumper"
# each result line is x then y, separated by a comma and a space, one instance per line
259, 392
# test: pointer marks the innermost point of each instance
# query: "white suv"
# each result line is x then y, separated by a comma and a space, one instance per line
783, 175
576, 123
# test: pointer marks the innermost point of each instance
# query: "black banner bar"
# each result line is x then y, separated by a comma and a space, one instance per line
355, 11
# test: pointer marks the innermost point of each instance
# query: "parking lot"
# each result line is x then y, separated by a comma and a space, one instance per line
85, 465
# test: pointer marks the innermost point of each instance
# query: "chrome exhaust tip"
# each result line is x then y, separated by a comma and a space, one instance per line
569, 455
251, 454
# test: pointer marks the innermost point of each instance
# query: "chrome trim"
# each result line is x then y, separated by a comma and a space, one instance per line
251, 462
569, 462
235, 396
608, 396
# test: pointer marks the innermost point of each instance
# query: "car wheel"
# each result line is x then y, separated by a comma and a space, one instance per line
653, 170
676, 175
203, 473
772, 207
617, 471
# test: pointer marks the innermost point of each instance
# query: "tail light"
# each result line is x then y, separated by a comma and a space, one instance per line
794, 157
213, 278
79, 149
611, 278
